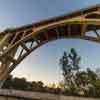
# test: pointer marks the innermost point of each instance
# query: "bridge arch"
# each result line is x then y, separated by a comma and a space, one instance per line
30, 37
40, 38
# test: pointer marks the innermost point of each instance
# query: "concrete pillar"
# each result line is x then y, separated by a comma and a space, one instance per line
4, 66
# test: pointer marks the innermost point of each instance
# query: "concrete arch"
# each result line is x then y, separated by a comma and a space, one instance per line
30, 37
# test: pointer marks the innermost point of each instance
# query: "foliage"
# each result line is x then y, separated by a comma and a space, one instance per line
23, 84
70, 68
77, 81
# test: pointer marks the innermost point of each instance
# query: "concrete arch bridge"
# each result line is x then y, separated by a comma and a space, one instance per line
27, 38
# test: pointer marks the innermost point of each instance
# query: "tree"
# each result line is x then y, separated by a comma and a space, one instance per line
20, 83
91, 75
70, 68
77, 80
8, 83
61, 85
37, 86
66, 69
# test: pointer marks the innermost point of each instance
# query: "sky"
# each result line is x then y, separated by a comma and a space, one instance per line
43, 63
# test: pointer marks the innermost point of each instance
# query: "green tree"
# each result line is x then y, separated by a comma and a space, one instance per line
8, 83
37, 86
91, 75
75, 79
70, 68
66, 69
20, 83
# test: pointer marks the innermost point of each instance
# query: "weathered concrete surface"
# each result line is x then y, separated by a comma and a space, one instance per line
22, 95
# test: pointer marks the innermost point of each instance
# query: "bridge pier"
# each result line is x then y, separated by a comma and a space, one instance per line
3, 42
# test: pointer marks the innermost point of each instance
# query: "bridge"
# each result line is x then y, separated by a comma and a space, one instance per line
6, 94
16, 44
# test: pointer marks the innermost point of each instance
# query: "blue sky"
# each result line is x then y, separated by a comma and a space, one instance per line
43, 63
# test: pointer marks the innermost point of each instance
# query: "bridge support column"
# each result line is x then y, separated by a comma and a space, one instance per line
5, 68
3, 42
5, 65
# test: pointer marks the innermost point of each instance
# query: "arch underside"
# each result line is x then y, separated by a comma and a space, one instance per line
33, 40
16, 45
